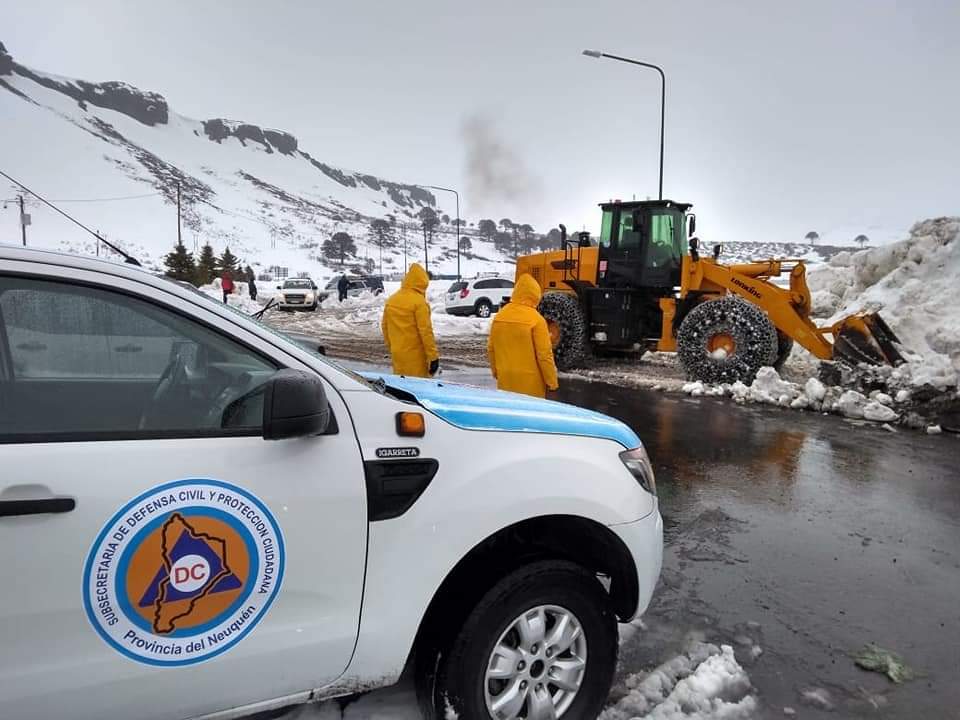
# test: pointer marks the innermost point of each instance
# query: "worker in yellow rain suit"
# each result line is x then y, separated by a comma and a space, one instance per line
521, 357
407, 329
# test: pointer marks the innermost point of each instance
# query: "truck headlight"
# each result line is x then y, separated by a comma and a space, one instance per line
308, 297
638, 464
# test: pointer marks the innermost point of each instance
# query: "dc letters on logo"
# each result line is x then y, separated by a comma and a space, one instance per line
183, 572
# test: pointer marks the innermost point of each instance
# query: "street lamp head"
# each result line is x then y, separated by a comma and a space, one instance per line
593, 53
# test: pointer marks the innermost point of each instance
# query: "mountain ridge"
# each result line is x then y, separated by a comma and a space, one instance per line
250, 187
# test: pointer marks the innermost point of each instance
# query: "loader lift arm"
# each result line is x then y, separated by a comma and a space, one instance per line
859, 338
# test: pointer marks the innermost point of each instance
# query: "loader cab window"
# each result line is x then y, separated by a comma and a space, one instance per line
629, 235
666, 239
606, 228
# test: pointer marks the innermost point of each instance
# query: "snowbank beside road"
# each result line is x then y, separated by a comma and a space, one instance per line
913, 285
367, 309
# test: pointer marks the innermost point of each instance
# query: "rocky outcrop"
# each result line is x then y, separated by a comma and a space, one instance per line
6, 62
219, 130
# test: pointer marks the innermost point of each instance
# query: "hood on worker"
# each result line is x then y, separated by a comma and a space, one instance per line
526, 292
416, 279
473, 408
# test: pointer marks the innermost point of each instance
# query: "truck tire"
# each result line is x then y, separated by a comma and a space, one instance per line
784, 348
564, 312
725, 340
545, 633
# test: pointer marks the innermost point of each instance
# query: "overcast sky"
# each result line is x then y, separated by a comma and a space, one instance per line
836, 116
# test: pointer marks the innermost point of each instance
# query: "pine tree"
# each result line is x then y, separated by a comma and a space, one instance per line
227, 262
206, 266
180, 265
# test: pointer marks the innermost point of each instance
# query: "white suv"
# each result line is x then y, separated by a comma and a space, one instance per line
202, 518
481, 296
298, 294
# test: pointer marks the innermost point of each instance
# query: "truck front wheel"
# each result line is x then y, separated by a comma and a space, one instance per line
542, 643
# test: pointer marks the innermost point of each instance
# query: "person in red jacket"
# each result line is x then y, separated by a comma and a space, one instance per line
226, 284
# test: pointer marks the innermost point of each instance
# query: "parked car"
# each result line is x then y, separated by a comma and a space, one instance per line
298, 294
481, 296
182, 485
357, 287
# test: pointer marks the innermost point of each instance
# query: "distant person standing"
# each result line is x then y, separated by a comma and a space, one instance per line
343, 285
407, 330
226, 284
252, 285
521, 356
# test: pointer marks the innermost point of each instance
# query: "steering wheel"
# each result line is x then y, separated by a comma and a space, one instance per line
169, 396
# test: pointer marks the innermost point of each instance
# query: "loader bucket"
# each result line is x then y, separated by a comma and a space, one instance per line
866, 338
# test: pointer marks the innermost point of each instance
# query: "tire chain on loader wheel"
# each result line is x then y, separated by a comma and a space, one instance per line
754, 338
564, 309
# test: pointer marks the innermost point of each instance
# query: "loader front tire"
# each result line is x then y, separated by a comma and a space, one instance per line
568, 326
725, 340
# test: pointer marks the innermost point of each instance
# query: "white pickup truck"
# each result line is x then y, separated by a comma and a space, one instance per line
201, 518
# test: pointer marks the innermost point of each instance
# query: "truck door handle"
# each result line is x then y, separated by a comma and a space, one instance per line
37, 507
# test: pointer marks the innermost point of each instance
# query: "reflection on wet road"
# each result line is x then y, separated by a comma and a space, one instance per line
806, 537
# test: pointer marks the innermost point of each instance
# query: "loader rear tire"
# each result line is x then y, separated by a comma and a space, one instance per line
742, 330
563, 312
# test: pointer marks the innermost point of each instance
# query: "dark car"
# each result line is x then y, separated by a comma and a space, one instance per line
358, 286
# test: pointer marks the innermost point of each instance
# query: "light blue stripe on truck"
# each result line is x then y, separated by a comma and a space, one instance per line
473, 408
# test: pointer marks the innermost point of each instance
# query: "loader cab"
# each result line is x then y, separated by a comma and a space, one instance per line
641, 244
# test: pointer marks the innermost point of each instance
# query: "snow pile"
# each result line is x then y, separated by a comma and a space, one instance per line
913, 285
705, 682
239, 298
768, 388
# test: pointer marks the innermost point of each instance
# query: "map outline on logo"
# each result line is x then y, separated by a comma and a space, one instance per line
238, 556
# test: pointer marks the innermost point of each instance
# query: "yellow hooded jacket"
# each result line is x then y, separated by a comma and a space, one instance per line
406, 326
521, 357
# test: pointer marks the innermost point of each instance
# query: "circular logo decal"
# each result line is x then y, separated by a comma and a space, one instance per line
183, 572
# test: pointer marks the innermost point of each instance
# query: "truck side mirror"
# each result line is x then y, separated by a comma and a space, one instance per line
691, 225
294, 405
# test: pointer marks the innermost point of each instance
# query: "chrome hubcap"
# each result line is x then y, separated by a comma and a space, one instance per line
484, 311
537, 665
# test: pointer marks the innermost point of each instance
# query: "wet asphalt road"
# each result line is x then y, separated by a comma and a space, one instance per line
808, 536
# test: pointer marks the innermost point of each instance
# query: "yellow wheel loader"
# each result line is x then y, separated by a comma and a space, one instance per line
638, 288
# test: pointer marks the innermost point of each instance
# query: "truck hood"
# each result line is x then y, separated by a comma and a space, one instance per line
473, 408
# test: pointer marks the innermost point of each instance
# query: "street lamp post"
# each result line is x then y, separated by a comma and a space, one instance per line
457, 196
663, 95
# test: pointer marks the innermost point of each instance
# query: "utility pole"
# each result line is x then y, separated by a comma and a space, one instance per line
403, 231
426, 258
457, 196
24, 221
179, 236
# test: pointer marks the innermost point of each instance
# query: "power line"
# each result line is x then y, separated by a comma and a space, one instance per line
129, 258
109, 199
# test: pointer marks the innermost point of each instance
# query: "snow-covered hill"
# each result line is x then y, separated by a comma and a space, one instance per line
114, 156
